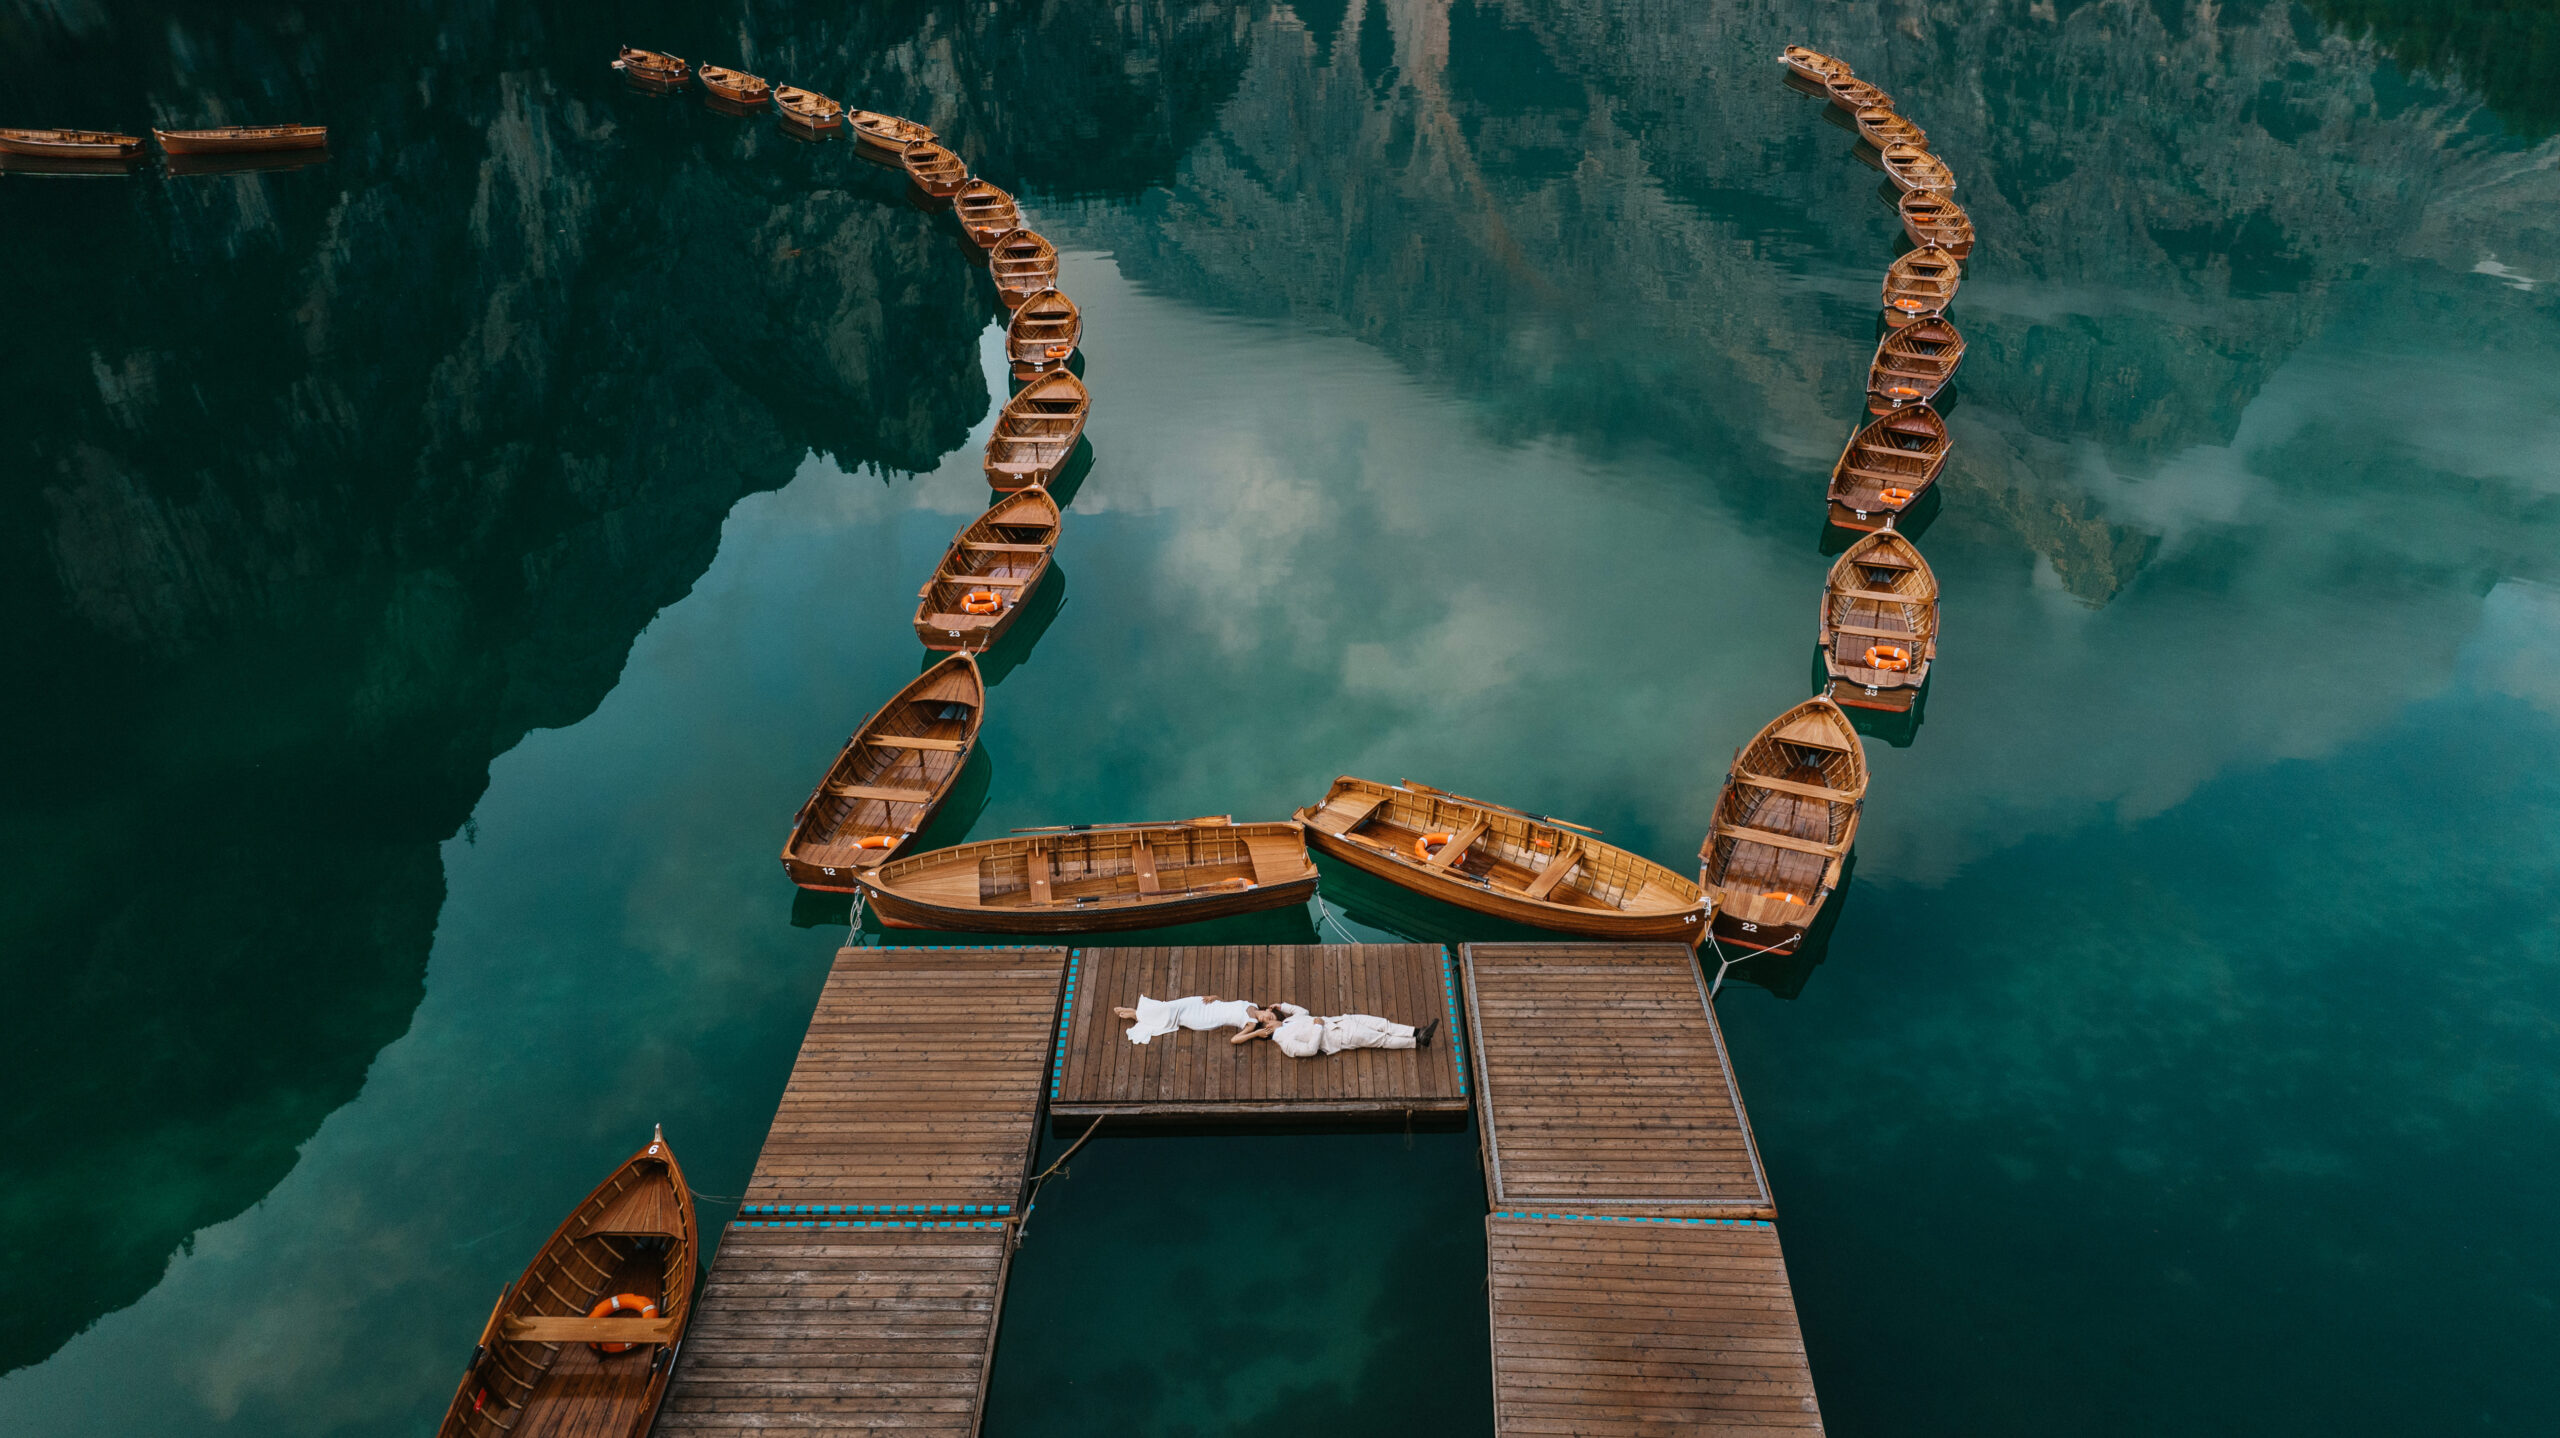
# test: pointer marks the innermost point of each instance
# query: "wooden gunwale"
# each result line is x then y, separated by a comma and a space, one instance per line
1920, 284
649, 67
987, 214
1881, 127
1775, 851
890, 777
807, 110
71, 144
1043, 333
634, 1233
1916, 167
1929, 217
1879, 591
1814, 65
242, 139
1023, 263
1905, 449
1037, 432
1913, 363
1099, 879
1852, 94
1503, 862
935, 170
888, 134
1006, 551
737, 86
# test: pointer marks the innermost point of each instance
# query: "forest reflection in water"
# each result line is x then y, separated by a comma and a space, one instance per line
333, 485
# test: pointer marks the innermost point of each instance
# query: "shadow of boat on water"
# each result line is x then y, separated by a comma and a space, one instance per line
252, 161
1784, 975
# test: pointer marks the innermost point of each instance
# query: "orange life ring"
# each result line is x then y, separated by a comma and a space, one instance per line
1061, 351
1902, 391
875, 841
631, 1303
1788, 898
1908, 306
1888, 656
1429, 844
981, 601
1896, 494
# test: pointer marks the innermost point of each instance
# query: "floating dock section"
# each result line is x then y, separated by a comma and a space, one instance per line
1202, 1077
1636, 1284
860, 1285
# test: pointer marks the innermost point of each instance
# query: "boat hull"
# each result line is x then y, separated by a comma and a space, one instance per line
1751, 938
1680, 927
206, 143
1891, 698
899, 912
44, 149
1867, 521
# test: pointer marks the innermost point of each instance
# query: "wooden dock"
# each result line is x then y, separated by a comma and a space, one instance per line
860, 1286
1607, 1326
1636, 1286
1201, 1076
1605, 1083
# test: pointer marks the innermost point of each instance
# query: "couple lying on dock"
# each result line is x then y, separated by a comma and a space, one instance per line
1299, 1034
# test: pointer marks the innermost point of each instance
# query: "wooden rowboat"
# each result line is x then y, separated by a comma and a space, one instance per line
1931, 218
1037, 433
1023, 263
808, 111
1783, 826
737, 87
1880, 127
1527, 868
1912, 364
935, 170
892, 774
650, 69
1879, 623
1887, 466
243, 139
991, 567
1853, 94
1921, 283
1043, 333
584, 1341
1097, 877
887, 133
1915, 167
1821, 69
987, 214
70, 144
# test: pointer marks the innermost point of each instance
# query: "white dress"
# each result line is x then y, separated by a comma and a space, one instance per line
1163, 1016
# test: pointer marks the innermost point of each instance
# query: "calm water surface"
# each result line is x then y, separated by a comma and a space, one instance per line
435, 576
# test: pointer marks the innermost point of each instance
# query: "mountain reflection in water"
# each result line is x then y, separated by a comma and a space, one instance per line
323, 490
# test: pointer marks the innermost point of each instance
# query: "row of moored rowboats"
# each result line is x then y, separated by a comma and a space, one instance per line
586, 1338
110, 149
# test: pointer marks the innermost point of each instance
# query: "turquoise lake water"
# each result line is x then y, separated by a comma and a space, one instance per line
435, 576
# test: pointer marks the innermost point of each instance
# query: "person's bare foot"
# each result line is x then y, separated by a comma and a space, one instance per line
1126, 1013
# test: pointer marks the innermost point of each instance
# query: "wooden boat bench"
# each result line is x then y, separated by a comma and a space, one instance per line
1456, 849
1865, 632
1343, 818
1776, 840
1142, 860
881, 792
1790, 786
588, 1330
1042, 865
1552, 875
992, 547
939, 746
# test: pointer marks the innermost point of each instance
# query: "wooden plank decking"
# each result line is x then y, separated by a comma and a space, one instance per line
1616, 1326
1605, 1084
1203, 1076
919, 1083
860, 1286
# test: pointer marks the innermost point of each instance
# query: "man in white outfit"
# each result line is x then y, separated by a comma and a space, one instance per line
1302, 1035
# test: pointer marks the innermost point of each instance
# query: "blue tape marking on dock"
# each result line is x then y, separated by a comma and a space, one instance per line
1645, 1218
776, 1209
1457, 1041
858, 1223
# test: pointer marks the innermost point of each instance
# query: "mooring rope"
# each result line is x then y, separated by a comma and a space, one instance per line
1032, 1204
